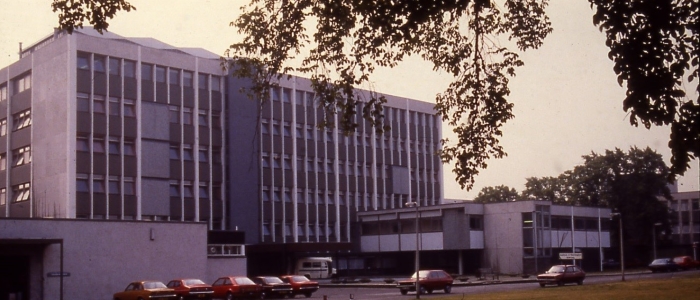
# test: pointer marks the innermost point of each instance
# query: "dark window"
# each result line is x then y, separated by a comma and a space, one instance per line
83, 61
174, 77
114, 68
129, 69
476, 223
160, 74
146, 72
187, 78
203, 81
99, 64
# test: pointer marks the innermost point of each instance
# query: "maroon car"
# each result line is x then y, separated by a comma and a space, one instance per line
191, 289
300, 285
273, 287
562, 274
428, 281
230, 287
686, 262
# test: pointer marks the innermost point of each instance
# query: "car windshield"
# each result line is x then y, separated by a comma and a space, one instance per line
270, 280
422, 274
193, 281
556, 269
659, 261
300, 279
244, 280
153, 285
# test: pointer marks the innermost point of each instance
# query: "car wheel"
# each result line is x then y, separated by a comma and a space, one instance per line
180, 297
560, 283
229, 296
541, 284
448, 289
579, 282
307, 295
422, 290
404, 292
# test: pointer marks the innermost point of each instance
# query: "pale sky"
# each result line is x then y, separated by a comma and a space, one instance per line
567, 100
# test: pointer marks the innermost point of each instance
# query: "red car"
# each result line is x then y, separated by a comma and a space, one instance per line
562, 274
231, 287
191, 289
300, 285
145, 290
686, 262
429, 280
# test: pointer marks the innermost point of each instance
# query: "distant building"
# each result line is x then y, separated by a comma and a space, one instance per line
685, 221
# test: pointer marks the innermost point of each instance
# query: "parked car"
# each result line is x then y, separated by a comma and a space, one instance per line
190, 289
686, 262
663, 265
562, 274
230, 287
273, 286
428, 281
145, 290
611, 264
300, 285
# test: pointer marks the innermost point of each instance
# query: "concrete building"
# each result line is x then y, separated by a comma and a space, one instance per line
685, 225
509, 238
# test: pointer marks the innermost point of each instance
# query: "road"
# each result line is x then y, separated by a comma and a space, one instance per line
376, 293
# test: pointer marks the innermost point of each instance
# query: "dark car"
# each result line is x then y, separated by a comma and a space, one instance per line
230, 287
562, 274
273, 286
428, 281
663, 265
686, 262
191, 289
300, 285
611, 264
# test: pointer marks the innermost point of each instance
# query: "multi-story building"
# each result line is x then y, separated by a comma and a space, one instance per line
685, 222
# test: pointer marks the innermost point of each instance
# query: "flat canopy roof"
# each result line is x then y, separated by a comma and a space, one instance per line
30, 241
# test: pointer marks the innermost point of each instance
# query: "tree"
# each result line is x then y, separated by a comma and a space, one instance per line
546, 188
654, 45
493, 194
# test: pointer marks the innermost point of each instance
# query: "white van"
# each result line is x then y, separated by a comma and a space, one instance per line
315, 267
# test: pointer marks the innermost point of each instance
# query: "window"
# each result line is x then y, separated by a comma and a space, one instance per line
187, 78
215, 83
83, 62
3, 196
187, 190
174, 114
203, 156
203, 191
3, 161
98, 104
129, 148
114, 107
3, 93
83, 102
203, 119
216, 156
23, 83
22, 120
187, 116
187, 153
98, 64
20, 192
114, 68
3, 127
129, 69
98, 185
82, 184
114, 185
129, 186
160, 74
203, 81
114, 146
82, 143
216, 119
174, 189
129, 108
476, 222
146, 72
98, 145
174, 152
174, 77
21, 156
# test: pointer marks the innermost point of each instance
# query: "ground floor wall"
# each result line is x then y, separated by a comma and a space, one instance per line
101, 257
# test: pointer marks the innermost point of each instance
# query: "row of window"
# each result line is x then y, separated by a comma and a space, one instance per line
21, 156
116, 66
187, 117
113, 145
20, 84
20, 120
312, 229
185, 189
402, 226
116, 106
186, 153
20, 192
98, 184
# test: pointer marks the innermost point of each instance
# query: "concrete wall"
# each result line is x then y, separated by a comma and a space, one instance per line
102, 257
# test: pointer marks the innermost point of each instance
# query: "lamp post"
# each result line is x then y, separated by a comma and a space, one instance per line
654, 237
622, 249
415, 204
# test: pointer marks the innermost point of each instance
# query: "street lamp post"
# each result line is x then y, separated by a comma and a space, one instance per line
622, 249
415, 204
654, 237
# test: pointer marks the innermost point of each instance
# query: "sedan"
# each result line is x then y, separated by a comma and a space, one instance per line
273, 286
191, 289
562, 274
428, 281
300, 285
663, 265
686, 262
145, 290
230, 287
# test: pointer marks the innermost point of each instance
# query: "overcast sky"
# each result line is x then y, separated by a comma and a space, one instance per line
567, 100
